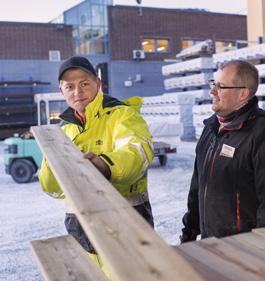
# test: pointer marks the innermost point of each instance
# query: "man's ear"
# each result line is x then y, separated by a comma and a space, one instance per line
98, 81
61, 91
245, 94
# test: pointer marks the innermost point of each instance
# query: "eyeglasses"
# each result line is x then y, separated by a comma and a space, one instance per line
219, 87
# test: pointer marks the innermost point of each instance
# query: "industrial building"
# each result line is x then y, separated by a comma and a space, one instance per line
128, 44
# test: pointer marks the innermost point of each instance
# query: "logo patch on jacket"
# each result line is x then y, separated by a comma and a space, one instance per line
227, 151
99, 142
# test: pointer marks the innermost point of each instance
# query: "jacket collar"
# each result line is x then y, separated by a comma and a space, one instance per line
92, 109
241, 116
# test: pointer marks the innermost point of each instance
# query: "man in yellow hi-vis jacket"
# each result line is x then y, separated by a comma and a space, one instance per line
111, 134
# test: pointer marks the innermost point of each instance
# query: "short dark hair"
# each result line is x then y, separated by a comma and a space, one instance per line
246, 74
76, 62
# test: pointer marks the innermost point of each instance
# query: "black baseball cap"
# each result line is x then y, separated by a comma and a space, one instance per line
76, 62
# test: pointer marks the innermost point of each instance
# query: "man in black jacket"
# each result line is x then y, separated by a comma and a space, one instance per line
227, 192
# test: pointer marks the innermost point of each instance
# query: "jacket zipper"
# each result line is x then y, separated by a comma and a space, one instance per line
214, 156
212, 160
238, 224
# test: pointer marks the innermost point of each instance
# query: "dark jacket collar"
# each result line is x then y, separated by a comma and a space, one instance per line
69, 116
241, 116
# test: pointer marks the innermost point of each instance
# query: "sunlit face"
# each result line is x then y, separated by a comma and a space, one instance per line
79, 88
225, 101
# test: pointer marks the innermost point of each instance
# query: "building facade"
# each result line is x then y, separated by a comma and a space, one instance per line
158, 35
30, 54
35, 41
111, 37
162, 33
128, 45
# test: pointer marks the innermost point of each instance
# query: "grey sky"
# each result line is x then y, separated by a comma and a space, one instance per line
43, 11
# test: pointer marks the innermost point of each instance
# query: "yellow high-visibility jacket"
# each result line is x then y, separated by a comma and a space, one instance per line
116, 132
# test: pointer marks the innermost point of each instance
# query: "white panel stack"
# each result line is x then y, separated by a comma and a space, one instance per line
248, 53
261, 90
200, 113
197, 94
162, 115
171, 114
261, 94
188, 81
261, 70
205, 47
188, 66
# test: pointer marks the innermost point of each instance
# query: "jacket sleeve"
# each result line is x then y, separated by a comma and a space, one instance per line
132, 148
191, 220
48, 182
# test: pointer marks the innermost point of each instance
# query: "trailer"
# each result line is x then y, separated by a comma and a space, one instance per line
161, 149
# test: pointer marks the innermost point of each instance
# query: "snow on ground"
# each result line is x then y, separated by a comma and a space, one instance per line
27, 213
168, 188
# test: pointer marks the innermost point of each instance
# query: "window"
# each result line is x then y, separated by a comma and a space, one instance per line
85, 18
155, 45
90, 26
148, 45
186, 43
162, 46
98, 14
55, 109
221, 46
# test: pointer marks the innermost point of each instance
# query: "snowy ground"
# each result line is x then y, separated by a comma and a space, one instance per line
26, 213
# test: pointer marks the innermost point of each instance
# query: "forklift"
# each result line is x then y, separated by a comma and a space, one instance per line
22, 156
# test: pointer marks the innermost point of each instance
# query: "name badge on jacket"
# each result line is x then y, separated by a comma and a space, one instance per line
227, 151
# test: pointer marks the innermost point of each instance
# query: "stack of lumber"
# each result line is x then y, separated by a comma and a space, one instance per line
129, 247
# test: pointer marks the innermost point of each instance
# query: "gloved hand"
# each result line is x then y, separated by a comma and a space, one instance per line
99, 164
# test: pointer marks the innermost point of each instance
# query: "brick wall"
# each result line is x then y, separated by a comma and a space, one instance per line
20, 40
127, 27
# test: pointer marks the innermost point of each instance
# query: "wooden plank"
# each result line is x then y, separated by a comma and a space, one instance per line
248, 242
246, 262
62, 258
226, 259
259, 231
129, 247
208, 273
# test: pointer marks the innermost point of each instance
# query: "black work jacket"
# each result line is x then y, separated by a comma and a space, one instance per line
227, 192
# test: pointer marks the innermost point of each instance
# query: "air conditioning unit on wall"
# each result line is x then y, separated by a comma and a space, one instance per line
138, 54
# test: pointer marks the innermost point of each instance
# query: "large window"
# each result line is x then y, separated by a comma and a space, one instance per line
154, 45
186, 43
221, 46
90, 26
98, 15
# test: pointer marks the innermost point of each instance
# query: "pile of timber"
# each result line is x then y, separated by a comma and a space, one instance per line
17, 113
129, 247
